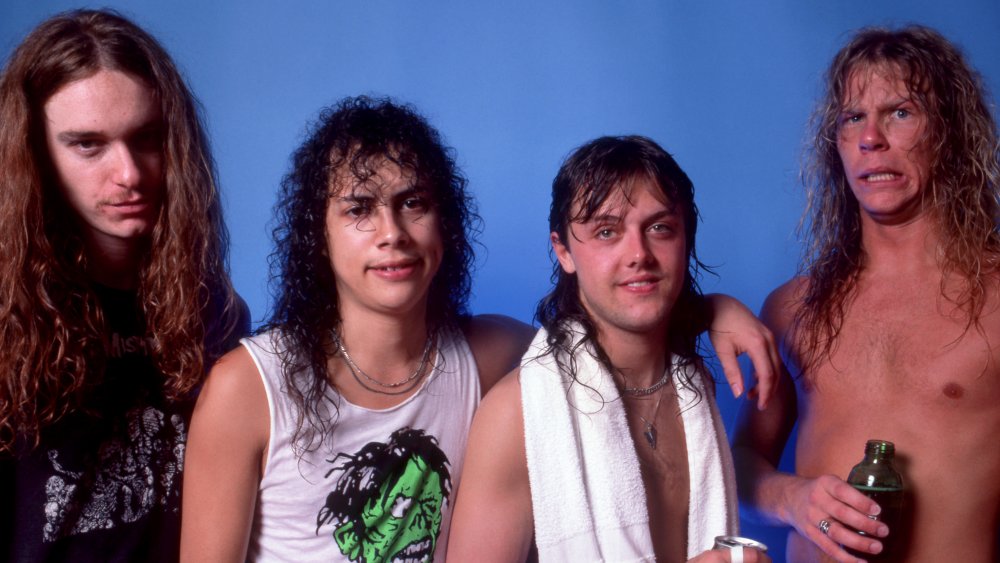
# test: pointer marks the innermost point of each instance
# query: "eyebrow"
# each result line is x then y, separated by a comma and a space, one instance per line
602, 218
409, 192
354, 198
72, 135
892, 104
402, 194
670, 211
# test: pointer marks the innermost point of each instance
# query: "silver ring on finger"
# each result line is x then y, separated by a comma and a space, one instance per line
824, 526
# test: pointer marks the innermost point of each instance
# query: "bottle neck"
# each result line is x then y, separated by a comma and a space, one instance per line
879, 451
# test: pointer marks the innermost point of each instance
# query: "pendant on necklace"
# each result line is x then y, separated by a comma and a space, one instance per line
650, 434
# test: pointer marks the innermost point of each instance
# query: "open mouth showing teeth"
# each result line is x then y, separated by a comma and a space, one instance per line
416, 552
639, 284
881, 177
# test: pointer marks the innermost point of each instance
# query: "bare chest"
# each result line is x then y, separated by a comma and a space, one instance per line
658, 435
911, 349
907, 367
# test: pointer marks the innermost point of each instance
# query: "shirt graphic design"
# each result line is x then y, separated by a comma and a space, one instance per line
388, 499
135, 474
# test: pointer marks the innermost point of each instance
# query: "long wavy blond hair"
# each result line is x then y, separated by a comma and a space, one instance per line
52, 337
962, 188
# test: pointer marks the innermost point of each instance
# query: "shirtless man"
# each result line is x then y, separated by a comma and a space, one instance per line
891, 332
613, 368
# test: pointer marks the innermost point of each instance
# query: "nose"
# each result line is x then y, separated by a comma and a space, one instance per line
873, 137
126, 171
637, 249
390, 228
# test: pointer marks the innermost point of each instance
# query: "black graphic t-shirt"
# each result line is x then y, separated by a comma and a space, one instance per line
104, 485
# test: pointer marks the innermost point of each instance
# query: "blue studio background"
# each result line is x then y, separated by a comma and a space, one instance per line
727, 87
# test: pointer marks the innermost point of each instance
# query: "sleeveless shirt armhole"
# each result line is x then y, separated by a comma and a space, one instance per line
254, 348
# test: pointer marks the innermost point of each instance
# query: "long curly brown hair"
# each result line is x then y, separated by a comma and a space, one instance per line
52, 337
962, 188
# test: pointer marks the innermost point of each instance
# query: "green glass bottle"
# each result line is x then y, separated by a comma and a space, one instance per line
876, 477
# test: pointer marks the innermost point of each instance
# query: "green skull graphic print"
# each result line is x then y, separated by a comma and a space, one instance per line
388, 500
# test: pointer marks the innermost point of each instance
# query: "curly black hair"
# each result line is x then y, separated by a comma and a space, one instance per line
346, 146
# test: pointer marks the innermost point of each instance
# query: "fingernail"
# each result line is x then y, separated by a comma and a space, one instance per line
875, 547
876, 510
883, 531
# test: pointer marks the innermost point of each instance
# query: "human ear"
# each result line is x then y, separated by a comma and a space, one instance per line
562, 253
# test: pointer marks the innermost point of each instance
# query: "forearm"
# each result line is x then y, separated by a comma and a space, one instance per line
763, 489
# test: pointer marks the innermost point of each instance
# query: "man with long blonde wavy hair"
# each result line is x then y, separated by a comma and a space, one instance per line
116, 297
891, 329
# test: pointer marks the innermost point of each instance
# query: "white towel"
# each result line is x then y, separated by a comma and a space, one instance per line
587, 494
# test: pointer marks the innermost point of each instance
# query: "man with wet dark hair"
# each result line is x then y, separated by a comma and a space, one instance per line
606, 443
891, 330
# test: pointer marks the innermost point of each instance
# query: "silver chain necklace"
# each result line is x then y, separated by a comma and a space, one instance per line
355, 369
643, 391
649, 430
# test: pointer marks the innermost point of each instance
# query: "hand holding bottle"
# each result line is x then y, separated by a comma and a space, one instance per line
829, 499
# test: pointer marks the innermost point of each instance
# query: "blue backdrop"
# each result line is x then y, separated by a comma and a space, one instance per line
727, 87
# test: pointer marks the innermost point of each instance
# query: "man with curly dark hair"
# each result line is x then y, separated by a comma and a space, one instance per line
891, 330
116, 298
369, 335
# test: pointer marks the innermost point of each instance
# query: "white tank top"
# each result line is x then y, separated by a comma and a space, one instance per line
382, 485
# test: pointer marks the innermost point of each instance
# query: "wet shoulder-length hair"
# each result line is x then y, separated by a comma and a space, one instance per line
594, 173
345, 147
52, 335
962, 189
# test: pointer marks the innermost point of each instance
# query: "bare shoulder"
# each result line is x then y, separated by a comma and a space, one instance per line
233, 398
234, 374
498, 427
782, 305
504, 399
497, 343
